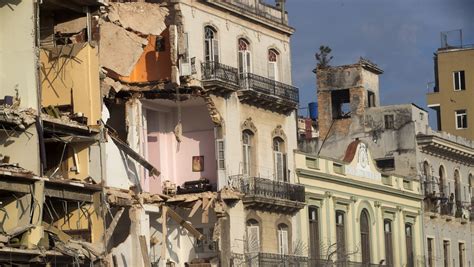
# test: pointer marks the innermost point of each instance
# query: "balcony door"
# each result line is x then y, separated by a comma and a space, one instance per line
283, 239
245, 58
273, 72
279, 157
211, 45
247, 150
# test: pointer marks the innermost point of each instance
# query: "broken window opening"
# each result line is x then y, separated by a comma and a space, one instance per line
389, 121
386, 164
370, 99
341, 107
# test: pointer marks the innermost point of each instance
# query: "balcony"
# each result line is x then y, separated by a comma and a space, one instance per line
272, 259
266, 194
257, 11
219, 77
253, 89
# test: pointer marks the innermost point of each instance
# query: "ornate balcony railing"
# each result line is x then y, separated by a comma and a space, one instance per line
214, 71
217, 71
258, 8
261, 187
272, 259
264, 85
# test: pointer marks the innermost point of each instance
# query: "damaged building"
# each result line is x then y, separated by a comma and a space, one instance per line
205, 97
51, 193
402, 143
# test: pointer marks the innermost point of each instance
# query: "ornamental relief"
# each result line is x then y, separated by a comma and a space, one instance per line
248, 125
278, 132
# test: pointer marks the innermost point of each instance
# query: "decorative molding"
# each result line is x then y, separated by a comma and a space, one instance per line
248, 125
278, 132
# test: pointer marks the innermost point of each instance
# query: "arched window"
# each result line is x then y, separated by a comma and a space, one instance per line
409, 244
457, 187
273, 72
247, 151
211, 44
314, 237
365, 236
253, 236
442, 178
427, 177
244, 57
279, 157
283, 239
387, 225
341, 235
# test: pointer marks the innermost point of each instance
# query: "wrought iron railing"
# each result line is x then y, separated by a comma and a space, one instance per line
272, 259
259, 8
254, 186
216, 71
264, 85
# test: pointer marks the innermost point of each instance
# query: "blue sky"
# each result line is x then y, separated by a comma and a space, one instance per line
398, 35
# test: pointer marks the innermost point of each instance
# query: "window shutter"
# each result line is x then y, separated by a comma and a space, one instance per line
248, 65
184, 65
271, 70
253, 238
220, 149
279, 175
283, 242
215, 49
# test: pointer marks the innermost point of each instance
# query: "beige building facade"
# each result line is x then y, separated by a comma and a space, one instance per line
356, 214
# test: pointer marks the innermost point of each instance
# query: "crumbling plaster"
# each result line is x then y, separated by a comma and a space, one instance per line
17, 52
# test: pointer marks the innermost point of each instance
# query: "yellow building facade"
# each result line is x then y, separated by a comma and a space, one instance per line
357, 215
452, 95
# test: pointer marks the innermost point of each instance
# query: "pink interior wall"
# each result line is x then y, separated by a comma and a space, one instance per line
196, 144
175, 161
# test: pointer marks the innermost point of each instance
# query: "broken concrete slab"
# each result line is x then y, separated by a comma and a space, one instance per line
146, 18
119, 48
71, 26
22, 118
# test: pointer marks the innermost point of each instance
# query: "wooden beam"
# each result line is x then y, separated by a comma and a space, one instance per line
144, 248
173, 215
113, 225
195, 208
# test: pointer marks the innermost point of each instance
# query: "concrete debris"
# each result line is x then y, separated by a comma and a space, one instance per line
116, 85
146, 18
22, 118
14, 168
119, 48
71, 26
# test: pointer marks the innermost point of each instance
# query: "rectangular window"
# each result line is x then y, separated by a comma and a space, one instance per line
371, 99
462, 255
461, 119
389, 121
430, 252
446, 253
338, 168
312, 163
407, 185
409, 245
459, 81
220, 154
